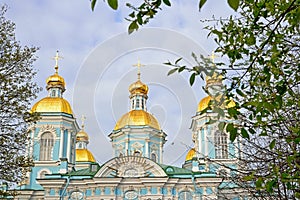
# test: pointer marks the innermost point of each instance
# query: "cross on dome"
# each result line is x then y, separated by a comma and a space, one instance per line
139, 65
83, 118
213, 56
56, 58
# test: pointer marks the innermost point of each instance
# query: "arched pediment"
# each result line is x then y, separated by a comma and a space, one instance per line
131, 166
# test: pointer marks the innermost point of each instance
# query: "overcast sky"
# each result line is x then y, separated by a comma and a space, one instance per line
99, 54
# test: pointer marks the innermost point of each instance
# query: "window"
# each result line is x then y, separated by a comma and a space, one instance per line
53, 94
221, 146
143, 104
46, 146
137, 153
185, 195
137, 103
153, 157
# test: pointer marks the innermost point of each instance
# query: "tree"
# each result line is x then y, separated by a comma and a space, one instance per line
262, 46
17, 92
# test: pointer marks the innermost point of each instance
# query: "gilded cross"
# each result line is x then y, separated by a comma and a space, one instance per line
83, 118
56, 58
139, 65
213, 56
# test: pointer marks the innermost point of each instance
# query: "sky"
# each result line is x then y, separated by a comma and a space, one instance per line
98, 58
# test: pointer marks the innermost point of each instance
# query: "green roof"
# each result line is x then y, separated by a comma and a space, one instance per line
85, 171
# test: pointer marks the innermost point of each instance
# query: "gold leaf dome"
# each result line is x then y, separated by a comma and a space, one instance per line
82, 136
55, 79
138, 87
52, 104
84, 155
191, 154
137, 118
203, 104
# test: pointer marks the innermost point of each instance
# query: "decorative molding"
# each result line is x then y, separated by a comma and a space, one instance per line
137, 145
47, 128
131, 166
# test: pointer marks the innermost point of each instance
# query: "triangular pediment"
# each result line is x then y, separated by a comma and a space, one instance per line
131, 166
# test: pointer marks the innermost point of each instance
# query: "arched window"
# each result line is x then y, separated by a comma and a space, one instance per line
221, 145
137, 103
153, 157
46, 146
137, 153
185, 195
53, 93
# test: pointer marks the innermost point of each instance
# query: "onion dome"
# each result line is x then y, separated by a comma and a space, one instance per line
56, 80
203, 104
82, 140
84, 155
138, 88
190, 155
137, 118
52, 104
82, 136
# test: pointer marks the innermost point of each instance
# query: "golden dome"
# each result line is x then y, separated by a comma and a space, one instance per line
138, 87
55, 79
137, 118
203, 104
191, 154
84, 155
82, 136
52, 104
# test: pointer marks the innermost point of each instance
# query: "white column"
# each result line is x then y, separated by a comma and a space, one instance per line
61, 142
161, 152
68, 144
126, 146
147, 148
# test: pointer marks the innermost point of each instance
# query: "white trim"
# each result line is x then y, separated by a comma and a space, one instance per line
68, 144
42, 170
61, 142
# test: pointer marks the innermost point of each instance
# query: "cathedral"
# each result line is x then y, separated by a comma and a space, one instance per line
64, 168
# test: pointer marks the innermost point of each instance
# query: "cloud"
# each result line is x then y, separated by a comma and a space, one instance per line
98, 57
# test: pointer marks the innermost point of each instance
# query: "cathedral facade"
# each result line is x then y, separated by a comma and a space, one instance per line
64, 168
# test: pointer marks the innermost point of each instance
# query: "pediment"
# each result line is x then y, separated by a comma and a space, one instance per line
131, 166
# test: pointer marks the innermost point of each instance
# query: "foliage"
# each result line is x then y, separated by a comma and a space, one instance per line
17, 91
262, 45
147, 10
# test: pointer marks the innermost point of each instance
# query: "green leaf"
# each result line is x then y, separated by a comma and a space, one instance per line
192, 79
240, 93
93, 3
201, 3
244, 133
172, 71
234, 4
259, 183
113, 4
132, 27
221, 126
179, 59
272, 144
181, 69
167, 2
